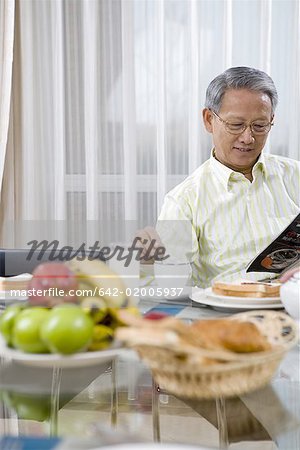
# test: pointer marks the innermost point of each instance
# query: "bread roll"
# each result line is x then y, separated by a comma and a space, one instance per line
239, 337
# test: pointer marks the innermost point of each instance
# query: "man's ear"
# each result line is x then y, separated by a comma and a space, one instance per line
207, 119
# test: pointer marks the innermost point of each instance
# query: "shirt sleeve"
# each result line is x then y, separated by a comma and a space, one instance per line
176, 229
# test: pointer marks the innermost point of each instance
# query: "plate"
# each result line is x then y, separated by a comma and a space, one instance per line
83, 359
222, 303
8, 297
241, 300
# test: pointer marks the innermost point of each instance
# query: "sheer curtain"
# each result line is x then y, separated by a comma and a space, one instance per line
6, 57
107, 98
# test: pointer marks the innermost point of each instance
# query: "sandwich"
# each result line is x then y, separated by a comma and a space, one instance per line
246, 288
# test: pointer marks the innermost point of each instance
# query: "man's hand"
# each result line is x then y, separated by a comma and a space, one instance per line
149, 242
289, 274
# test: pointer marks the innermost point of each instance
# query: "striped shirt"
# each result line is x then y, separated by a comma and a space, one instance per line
220, 220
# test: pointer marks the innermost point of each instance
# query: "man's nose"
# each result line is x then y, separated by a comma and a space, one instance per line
246, 136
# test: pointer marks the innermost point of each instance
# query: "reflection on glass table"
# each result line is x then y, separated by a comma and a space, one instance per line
37, 393
96, 404
118, 402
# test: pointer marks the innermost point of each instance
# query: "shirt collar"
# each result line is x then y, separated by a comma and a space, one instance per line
261, 164
224, 173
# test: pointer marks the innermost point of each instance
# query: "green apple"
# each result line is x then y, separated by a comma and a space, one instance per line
67, 329
7, 321
26, 330
29, 406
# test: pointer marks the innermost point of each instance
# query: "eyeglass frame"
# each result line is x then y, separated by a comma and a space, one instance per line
246, 125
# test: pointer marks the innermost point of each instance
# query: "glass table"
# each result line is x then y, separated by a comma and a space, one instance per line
118, 401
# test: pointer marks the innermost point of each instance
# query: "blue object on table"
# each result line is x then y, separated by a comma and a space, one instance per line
29, 443
170, 310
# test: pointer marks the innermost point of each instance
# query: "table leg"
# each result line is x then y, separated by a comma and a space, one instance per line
155, 412
55, 392
114, 395
131, 383
222, 423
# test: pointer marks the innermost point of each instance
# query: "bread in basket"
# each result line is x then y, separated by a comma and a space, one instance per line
189, 369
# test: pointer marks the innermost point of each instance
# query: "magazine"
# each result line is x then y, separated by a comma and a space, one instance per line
282, 254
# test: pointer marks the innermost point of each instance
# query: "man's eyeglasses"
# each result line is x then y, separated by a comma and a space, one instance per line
240, 127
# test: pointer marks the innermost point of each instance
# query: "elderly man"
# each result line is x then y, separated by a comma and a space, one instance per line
236, 202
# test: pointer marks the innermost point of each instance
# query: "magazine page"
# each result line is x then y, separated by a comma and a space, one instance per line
282, 253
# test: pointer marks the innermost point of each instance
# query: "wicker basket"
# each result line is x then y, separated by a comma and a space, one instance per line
183, 370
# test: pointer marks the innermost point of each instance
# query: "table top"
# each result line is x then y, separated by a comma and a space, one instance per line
118, 401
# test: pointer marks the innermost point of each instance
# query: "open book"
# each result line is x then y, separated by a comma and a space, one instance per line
282, 254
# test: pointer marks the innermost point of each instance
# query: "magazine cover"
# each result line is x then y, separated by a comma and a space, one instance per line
282, 254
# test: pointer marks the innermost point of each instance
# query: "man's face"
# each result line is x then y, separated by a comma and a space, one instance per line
241, 151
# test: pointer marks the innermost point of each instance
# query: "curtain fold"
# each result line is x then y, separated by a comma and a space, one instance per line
160, 116
57, 103
129, 110
90, 111
294, 92
7, 22
107, 99
194, 115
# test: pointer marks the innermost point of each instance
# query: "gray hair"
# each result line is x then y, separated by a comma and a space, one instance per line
240, 78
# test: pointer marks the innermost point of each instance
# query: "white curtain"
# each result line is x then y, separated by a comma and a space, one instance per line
6, 58
107, 99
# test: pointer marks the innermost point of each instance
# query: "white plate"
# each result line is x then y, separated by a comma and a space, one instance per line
83, 359
220, 304
17, 278
242, 300
9, 299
